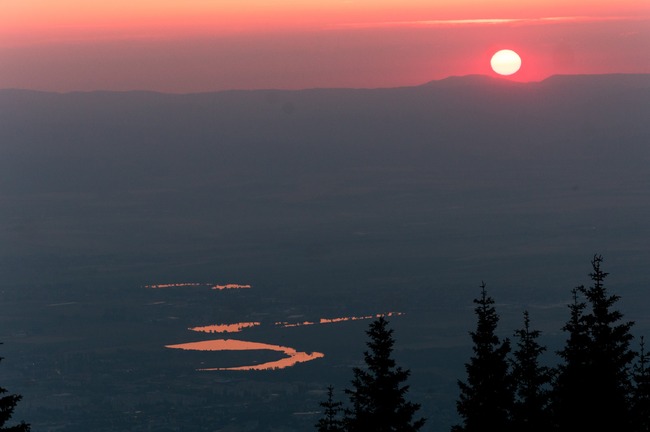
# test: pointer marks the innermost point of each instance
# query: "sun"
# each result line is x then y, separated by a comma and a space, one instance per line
505, 62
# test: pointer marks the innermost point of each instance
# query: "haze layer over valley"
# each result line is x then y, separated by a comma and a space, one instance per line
329, 203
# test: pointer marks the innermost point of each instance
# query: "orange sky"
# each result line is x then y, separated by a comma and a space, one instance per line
197, 45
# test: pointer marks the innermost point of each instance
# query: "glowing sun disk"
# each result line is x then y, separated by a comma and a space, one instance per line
505, 62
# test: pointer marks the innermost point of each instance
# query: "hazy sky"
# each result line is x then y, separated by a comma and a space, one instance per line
197, 45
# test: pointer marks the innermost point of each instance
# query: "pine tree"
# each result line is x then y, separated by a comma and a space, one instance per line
531, 380
593, 386
641, 392
8, 404
573, 380
486, 399
378, 391
611, 356
330, 422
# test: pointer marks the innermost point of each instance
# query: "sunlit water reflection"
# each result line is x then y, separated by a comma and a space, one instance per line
225, 328
286, 324
294, 356
198, 284
174, 285
230, 286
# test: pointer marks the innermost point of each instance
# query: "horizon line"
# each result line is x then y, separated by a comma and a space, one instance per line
263, 89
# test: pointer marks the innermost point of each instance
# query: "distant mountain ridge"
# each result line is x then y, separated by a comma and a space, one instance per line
444, 127
591, 80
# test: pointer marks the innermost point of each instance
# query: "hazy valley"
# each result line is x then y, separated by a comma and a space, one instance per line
325, 204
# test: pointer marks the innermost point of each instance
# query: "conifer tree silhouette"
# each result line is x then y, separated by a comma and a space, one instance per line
593, 386
331, 421
572, 376
531, 380
486, 398
611, 356
378, 393
8, 404
641, 392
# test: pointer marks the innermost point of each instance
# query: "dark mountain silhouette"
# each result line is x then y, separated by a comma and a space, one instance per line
463, 124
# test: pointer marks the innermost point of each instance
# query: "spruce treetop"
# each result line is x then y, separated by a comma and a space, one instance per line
486, 397
378, 393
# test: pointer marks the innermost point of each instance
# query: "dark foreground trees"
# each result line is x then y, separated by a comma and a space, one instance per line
573, 376
641, 392
8, 404
599, 384
330, 421
378, 391
594, 381
596, 386
530, 412
486, 397
504, 391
